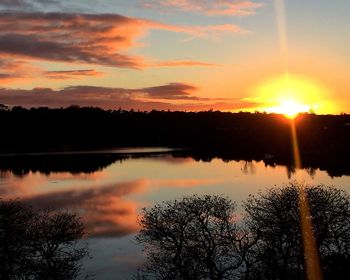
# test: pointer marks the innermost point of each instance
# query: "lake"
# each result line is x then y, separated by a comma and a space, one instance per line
108, 188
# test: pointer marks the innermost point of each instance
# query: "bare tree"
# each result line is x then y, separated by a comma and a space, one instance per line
201, 238
39, 244
278, 253
14, 254
194, 238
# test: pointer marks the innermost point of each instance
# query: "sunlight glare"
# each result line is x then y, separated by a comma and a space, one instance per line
290, 108
290, 95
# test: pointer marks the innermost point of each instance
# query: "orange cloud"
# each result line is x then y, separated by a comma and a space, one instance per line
12, 69
213, 31
183, 63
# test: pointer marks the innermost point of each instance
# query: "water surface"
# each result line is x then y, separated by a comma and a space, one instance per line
108, 189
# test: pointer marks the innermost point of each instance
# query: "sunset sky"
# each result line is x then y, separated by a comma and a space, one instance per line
227, 55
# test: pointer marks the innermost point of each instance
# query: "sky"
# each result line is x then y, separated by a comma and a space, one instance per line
230, 55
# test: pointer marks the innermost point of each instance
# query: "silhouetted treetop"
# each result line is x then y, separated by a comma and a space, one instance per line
275, 216
203, 238
39, 244
194, 238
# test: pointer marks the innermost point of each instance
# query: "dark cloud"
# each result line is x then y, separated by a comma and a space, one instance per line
72, 74
101, 39
94, 39
175, 91
173, 96
5, 76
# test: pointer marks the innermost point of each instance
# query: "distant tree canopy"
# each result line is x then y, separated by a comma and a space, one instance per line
323, 140
39, 244
202, 238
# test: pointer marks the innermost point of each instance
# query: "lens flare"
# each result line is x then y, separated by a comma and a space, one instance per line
311, 254
293, 96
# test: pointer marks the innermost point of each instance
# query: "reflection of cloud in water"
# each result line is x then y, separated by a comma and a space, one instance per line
171, 159
81, 176
33, 181
105, 211
186, 183
15, 186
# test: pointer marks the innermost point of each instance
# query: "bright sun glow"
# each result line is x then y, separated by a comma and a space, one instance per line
290, 95
290, 108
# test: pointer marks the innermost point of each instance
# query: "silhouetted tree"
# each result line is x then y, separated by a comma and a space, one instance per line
195, 238
274, 216
39, 244
14, 253
201, 238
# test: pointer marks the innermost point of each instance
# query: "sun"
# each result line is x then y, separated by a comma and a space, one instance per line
291, 108
290, 95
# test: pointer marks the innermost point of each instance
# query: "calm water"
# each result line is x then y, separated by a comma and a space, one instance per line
110, 194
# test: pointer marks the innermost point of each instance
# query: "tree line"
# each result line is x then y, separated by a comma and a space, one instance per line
323, 139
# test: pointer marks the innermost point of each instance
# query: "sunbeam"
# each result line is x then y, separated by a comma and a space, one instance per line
311, 254
282, 31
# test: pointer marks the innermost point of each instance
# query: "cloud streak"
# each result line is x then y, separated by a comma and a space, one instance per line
208, 7
72, 74
172, 96
184, 63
